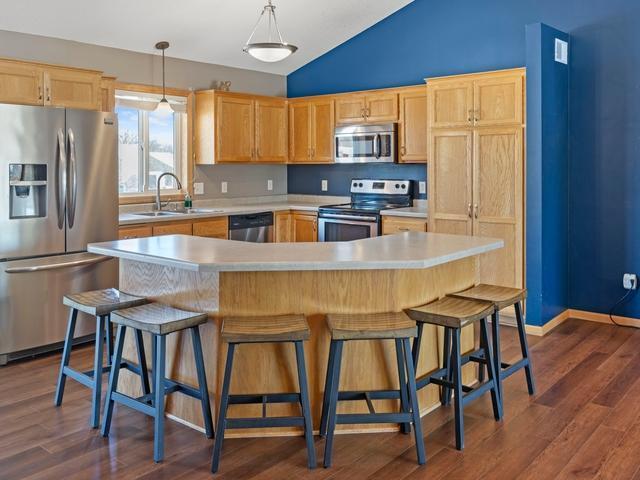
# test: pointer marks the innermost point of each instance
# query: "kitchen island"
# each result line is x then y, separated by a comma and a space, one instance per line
222, 277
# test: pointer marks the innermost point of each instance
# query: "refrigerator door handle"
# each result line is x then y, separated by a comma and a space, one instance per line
72, 183
89, 260
61, 173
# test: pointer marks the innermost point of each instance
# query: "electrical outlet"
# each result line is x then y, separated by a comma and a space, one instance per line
422, 187
198, 188
324, 185
269, 185
630, 281
223, 187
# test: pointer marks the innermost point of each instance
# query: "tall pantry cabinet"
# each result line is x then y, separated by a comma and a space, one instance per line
476, 168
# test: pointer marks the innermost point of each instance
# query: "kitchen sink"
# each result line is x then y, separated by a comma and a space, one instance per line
163, 213
166, 213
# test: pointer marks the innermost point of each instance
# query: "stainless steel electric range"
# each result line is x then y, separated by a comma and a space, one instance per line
361, 218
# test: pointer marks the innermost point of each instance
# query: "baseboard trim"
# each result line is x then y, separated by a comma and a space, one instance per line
541, 331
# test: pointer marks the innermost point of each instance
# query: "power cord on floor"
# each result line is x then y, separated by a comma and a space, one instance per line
617, 304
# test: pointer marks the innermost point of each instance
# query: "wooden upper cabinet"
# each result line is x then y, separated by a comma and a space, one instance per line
300, 132
21, 83
451, 104
108, 94
381, 107
498, 100
72, 89
350, 109
413, 127
271, 131
311, 126
235, 135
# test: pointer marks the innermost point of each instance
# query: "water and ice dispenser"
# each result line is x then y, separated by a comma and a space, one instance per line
27, 190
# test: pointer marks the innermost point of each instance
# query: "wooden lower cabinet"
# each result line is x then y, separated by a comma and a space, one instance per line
391, 225
216, 228
304, 227
173, 229
211, 227
282, 227
138, 231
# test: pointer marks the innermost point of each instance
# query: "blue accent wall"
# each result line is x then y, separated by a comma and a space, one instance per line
429, 38
306, 179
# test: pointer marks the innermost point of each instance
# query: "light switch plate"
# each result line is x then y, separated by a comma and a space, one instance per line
325, 185
269, 185
223, 187
198, 188
422, 187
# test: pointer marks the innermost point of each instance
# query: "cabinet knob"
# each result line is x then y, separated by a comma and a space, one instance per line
469, 210
48, 94
470, 116
403, 150
475, 207
39, 92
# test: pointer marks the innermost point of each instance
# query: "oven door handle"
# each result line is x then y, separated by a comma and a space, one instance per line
349, 217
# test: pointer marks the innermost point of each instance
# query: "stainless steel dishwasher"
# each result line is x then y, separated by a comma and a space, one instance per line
256, 227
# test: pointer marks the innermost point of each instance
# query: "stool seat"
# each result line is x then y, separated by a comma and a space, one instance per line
370, 326
451, 312
259, 329
102, 302
501, 297
157, 318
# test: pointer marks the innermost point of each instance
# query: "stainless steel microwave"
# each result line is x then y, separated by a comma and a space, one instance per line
366, 143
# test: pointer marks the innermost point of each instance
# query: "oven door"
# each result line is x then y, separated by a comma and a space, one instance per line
364, 146
343, 228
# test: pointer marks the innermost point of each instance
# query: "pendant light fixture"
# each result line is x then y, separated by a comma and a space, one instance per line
269, 51
163, 107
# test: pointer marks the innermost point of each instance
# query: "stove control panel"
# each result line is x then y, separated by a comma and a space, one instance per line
387, 187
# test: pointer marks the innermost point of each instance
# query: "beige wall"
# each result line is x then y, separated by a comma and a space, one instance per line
146, 68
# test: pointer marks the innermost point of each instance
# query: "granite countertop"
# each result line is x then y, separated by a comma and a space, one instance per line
406, 250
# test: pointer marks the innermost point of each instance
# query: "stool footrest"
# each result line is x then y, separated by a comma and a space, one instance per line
80, 377
510, 369
134, 403
368, 395
474, 393
262, 422
354, 418
245, 399
171, 386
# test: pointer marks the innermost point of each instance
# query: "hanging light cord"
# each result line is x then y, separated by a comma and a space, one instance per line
164, 97
272, 13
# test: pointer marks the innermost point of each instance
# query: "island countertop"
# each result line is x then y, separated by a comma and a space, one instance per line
410, 250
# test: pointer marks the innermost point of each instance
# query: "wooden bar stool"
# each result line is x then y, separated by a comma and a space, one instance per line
380, 326
453, 314
100, 304
272, 329
503, 297
159, 320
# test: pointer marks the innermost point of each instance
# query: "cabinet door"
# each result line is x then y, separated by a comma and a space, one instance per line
282, 226
215, 228
413, 126
451, 104
72, 89
304, 228
271, 131
300, 132
350, 109
322, 130
382, 107
391, 225
140, 231
21, 84
234, 130
498, 100
498, 202
173, 229
450, 181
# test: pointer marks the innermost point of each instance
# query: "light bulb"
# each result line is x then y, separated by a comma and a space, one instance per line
163, 107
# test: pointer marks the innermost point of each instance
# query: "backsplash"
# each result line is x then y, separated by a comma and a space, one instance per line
242, 180
307, 179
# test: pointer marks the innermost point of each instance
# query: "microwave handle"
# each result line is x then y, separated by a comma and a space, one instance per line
376, 146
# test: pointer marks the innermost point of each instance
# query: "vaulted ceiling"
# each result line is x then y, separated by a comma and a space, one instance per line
212, 31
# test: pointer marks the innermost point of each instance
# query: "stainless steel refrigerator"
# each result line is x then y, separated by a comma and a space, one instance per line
58, 192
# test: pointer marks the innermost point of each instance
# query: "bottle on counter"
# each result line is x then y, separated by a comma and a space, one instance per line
188, 203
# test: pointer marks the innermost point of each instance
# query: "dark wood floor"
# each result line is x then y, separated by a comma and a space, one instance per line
583, 423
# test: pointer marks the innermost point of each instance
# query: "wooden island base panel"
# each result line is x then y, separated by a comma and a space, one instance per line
179, 281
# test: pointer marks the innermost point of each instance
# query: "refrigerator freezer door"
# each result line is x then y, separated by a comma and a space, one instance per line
32, 315
92, 186
31, 181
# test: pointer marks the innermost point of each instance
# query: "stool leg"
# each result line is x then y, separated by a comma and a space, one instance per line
97, 373
457, 381
524, 346
333, 402
142, 362
445, 392
497, 357
306, 407
113, 381
404, 400
66, 355
222, 413
109, 337
153, 368
327, 390
158, 426
413, 401
496, 398
202, 382
417, 343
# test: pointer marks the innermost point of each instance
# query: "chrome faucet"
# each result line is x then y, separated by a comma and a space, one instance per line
158, 202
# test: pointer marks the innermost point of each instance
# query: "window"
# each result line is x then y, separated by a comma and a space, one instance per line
149, 144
